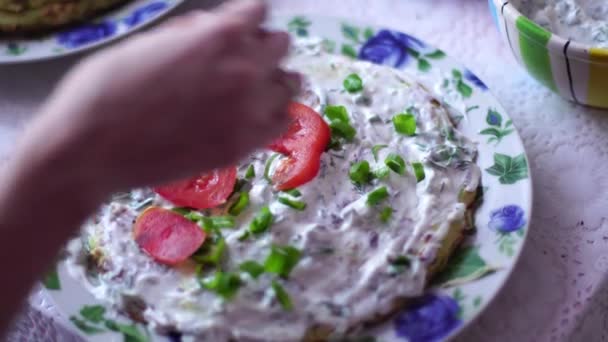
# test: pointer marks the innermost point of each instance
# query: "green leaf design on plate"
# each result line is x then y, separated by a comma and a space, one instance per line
329, 45
350, 32
93, 313
51, 280
477, 301
506, 244
496, 131
85, 327
437, 54
423, 65
349, 51
465, 266
299, 26
15, 49
464, 89
472, 108
493, 118
509, 169
459, 297
368, 33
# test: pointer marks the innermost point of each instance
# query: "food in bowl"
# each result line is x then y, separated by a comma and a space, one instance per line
352, 211
584, 21
38, 16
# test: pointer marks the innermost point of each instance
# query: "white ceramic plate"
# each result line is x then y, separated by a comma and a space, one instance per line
486, 259
102, 30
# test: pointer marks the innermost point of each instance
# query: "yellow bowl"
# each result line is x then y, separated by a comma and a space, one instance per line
576, 71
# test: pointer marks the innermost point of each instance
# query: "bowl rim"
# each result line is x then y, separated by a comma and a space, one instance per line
555, 43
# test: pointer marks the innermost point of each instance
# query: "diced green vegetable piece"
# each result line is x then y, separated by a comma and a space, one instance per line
252, 267
394, 162
377, 196
237, 207
211, 223
281, 260
250, 173
212, 253
381, 173
418, 171
282, 295
336, 113
353, 83
399, 263
385, 214
193, 216
244, 236
359, 172
262, 221
181, 210
405, 124
343, 130
267, 166
224, 284
377, 149
293, 192
294, 204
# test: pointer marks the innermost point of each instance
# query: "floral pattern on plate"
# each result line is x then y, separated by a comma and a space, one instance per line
477, 271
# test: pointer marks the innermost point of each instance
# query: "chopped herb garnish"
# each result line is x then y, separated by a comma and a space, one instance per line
359, 172
193, 216
238, 185
262, 221
381, 173
418, 171
336, 113
377, 149
377, 196
250, 173
385, 214
244, 236
399, 263
353, 83
224, 284
212, 253
253, 268
394, 162
281, 260
282, 295
295, 204
211, 223
293, 192
405, 124
343, 130
181, 210
267, 167
237, 207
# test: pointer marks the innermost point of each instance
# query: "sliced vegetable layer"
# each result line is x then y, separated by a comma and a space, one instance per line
167, 236
302, 144
204, 191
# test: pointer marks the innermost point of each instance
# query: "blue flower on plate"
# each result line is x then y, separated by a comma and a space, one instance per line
429, 319
390, 48
144, 13
507, 219
468, 75
86, 34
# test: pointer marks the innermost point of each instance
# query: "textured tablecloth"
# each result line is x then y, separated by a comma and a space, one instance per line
558, 291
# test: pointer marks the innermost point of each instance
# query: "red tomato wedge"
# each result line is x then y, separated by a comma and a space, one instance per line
166, 236
204, 191
303, 143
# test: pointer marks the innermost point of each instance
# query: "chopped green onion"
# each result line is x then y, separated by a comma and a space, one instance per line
395, 163
244, 236
211, 223
282, 295
293, 192
377, 196
237, 207
399, 263
262, 221
212, 253
252, 267
386, 214
181, 210
418, 171
405, 124
267, 167
224, 284
295, 204
377, 149
343, 129
381, 173
193, 216
238, 185
359, 172
353, 83
281, 260
336, 113
250, 173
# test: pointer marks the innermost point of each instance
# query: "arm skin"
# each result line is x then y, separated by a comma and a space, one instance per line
134, 115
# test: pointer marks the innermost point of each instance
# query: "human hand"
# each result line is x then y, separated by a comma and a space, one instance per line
197, 93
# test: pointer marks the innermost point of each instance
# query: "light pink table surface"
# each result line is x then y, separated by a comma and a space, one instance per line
558, 291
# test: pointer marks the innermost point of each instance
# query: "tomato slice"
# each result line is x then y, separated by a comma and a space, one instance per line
303, 143
166, 236
204, 191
